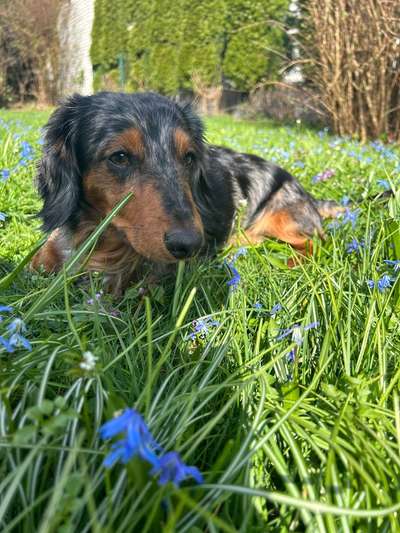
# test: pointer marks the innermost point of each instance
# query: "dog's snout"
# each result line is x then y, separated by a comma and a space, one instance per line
183, 243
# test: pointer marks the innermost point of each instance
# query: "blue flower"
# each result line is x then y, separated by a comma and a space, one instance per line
241, 251
137, 439
350, 217
172, 468
235, 279
275, 309
394, 263
3, 216
296, 331
354, 246
5, 309
258, 306
292, 355
384, 183
16, 328
5, 174
312, 325
96, 298
201, 327
383, 283
26, 150
345, 201
19, 340
6, 344
323, 176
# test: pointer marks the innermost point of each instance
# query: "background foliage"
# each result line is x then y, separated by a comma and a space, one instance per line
165, 43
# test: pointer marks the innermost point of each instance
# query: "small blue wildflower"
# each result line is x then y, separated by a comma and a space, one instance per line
258, 305
16, 328
235, 279
171, 468
350, 217
97, 298
201, 327
393, 263
5, 309
241, 251
383, 283
137, 439
9, 348
17, 339
354, 246
296, 331
292, 355
334, 225
26, 150
3, 216
275, 309
345, 201
284, 333
312, 325
384, 184
5, 174
323, 176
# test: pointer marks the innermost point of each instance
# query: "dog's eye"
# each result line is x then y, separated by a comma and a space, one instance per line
189, 159
120, 158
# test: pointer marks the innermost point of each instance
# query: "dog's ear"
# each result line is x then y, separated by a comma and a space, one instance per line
194, 124
59, 177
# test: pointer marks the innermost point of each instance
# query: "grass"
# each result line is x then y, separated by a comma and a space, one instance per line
288, 438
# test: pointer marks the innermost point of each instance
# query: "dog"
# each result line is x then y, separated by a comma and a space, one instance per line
187, 194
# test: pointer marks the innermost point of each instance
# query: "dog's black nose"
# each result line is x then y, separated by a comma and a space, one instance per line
182, 243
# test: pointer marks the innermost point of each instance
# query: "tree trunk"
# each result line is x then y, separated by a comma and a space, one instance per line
75, 27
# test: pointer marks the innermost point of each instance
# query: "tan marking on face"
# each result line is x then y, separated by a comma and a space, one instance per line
130, 140
182, 142
143, 220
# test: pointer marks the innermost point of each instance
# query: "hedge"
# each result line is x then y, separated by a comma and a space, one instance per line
164, 43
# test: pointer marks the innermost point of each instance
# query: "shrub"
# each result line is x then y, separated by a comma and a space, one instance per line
167, 44
29, 49
353, 49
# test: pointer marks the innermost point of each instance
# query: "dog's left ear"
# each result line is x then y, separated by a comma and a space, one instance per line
59, 177
194, 124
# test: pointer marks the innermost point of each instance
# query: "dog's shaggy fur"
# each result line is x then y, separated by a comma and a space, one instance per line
186, 193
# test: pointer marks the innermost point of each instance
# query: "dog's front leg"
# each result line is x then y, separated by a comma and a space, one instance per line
51, 255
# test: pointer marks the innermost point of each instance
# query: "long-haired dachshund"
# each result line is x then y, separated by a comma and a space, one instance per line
186, 193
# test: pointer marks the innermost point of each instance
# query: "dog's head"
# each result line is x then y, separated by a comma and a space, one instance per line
99, 148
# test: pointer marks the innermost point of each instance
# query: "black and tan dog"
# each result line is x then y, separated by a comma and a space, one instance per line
186, 193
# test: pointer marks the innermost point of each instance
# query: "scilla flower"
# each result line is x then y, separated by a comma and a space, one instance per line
136, 440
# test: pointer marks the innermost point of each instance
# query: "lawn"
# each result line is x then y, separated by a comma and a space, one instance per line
282, 390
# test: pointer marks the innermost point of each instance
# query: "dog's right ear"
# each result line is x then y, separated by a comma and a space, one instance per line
59, 176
